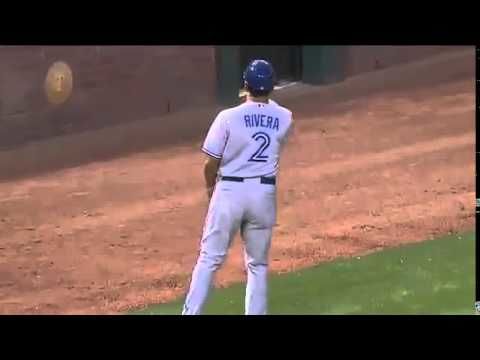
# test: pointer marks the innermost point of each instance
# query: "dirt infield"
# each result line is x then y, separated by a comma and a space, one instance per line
361, 174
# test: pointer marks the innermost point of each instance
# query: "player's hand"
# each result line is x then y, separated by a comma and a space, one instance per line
210, 192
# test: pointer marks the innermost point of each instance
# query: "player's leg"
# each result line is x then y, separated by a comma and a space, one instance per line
257, 246
221, 224
260, 218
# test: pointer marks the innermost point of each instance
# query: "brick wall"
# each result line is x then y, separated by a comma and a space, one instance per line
112, 85
362, 58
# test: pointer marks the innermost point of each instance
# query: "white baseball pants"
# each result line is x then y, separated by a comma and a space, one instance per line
248, 206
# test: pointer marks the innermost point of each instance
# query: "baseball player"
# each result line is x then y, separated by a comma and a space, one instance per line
243, 149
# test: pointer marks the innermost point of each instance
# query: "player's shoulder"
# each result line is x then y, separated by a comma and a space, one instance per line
225, 114
280, 108
230, 111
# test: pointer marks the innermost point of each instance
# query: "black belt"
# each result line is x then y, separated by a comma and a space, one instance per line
263, 179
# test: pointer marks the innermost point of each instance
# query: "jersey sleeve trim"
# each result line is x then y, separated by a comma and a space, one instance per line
211, 153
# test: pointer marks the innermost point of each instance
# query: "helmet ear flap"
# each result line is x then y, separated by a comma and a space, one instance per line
244, 80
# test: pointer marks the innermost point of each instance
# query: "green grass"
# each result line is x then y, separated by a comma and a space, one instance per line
432, 277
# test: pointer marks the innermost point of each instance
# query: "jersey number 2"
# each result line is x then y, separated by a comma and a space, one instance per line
258, 155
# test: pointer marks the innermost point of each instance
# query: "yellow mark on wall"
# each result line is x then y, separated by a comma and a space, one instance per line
58, 83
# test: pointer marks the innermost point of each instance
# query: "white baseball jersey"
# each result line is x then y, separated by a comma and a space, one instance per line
248, 138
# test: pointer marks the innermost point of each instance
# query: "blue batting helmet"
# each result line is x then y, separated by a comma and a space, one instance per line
259, 76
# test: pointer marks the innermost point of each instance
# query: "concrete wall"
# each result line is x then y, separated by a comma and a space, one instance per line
360, 59
112, 85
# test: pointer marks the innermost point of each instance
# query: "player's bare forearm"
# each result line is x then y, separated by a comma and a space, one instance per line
210, 171
294, 134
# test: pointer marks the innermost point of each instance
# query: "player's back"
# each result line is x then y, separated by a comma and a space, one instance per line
255, 132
